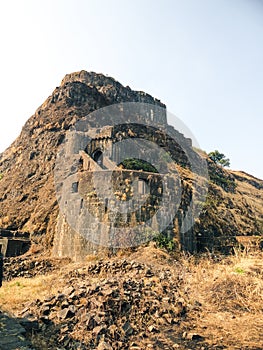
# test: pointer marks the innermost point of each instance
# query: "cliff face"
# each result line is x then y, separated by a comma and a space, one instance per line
28, 199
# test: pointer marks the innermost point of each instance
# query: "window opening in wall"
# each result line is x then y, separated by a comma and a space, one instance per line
75, 187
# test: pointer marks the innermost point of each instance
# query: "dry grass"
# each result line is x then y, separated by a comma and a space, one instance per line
15, 293
230, 291
231, 294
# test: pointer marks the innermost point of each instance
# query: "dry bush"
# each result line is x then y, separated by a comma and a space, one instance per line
230, 291
34, 249
235, 291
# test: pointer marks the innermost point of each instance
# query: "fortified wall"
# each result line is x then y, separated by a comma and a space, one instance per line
92, 214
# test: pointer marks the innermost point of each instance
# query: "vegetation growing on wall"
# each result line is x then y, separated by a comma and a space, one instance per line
138, 164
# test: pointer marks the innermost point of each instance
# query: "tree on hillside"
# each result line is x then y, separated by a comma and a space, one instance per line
219, 158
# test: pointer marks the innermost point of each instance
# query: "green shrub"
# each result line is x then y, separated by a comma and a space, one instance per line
219, 158
138, 164
239, 270
165, 242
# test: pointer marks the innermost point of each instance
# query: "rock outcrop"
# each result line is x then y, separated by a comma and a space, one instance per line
28, 199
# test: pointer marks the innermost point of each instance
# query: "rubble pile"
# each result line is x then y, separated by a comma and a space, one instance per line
30, 267
112, 305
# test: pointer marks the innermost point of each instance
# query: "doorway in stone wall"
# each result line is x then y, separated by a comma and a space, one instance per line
97, 156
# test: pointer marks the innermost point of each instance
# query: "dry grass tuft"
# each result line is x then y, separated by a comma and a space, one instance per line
230, 290
236, 292
15, 293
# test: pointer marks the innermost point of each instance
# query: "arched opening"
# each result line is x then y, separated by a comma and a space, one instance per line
97, 156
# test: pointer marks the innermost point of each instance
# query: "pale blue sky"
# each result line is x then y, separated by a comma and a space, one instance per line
202, 58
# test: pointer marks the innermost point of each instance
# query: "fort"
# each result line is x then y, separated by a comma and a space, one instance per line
151, 191
105, 203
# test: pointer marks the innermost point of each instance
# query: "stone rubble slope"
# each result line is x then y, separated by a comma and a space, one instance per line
28, 267
116, 304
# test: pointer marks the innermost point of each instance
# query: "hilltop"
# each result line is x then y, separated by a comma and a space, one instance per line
28, 200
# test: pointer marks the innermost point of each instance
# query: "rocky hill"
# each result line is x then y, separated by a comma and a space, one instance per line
28, 201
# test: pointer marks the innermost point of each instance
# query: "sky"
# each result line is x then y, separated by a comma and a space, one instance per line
202, 58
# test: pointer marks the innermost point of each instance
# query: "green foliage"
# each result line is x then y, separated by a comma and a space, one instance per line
18, 284
227, 183
165, 242
221, 177
219, 158
1, 176
211, 201
239, 270
138, 164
